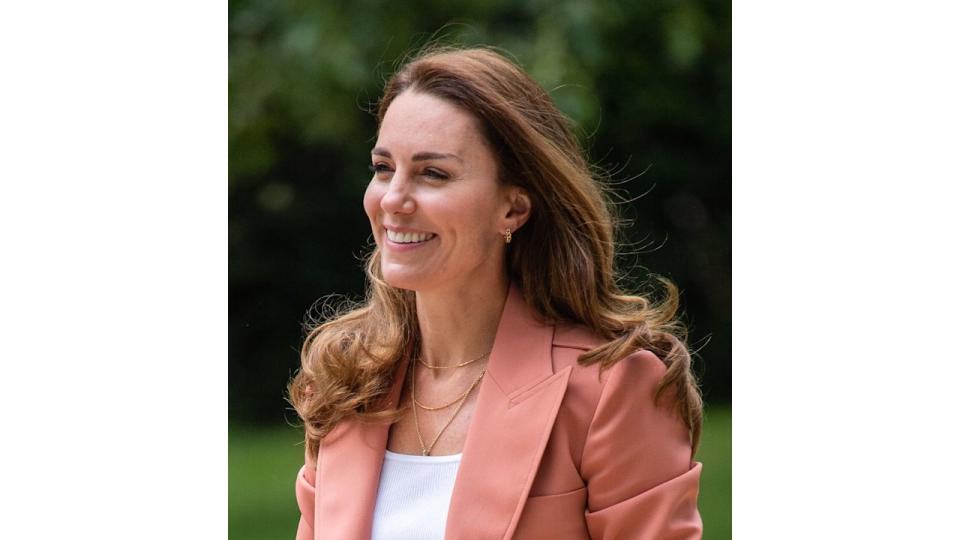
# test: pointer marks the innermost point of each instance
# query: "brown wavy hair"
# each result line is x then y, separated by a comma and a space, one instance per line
563, 259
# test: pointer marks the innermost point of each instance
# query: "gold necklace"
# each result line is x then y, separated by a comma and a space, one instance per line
413, 398
441, 407
467, 363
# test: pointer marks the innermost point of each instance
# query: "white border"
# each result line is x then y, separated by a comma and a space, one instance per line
845, 269
114, 291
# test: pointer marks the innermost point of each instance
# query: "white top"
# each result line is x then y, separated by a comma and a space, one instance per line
414, 496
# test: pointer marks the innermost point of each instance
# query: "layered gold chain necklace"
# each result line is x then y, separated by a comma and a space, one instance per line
459, 401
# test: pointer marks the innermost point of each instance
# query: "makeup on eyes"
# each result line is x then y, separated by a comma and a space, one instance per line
431, 172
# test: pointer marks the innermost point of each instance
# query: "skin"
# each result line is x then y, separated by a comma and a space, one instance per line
435, 174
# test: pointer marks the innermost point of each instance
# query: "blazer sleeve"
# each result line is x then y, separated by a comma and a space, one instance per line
306, 491
641, 482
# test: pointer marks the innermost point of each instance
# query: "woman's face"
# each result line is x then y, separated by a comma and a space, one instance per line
435, 206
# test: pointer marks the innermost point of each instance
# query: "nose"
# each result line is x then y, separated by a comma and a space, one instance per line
398, 198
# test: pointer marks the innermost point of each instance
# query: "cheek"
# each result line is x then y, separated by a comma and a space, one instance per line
478, 227
371, 200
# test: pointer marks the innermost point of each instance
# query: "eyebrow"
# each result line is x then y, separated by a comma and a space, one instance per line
419, 156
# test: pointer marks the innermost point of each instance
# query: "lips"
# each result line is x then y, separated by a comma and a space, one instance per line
408, 237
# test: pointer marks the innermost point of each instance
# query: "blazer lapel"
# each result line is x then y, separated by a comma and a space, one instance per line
348, 474
516, 409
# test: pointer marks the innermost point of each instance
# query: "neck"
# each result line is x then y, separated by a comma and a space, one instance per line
459, 324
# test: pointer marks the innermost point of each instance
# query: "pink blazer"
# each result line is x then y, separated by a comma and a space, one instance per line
553, 451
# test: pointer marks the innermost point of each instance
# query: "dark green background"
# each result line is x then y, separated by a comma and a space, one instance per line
646, 82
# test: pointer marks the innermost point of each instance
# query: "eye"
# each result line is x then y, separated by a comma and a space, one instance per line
379, 168
434, 173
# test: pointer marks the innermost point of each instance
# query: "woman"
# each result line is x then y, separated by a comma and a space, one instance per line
496, 383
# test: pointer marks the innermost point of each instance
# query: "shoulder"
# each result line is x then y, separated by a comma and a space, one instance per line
604, 412
628, 387
627, 430
571, 341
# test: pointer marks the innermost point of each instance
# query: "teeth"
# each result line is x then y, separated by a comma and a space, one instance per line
408, 238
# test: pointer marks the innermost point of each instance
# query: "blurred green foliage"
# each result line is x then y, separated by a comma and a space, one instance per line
264, 464
647, 83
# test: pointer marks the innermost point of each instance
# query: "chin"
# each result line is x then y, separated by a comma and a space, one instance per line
402, 280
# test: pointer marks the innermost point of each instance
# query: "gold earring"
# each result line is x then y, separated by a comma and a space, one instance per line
507, 236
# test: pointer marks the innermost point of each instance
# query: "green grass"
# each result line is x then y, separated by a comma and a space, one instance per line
263, 467
715, 454
264, 463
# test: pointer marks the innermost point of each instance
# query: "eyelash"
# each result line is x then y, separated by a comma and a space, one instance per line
378, 168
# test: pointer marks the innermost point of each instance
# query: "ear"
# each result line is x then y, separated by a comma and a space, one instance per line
519, 208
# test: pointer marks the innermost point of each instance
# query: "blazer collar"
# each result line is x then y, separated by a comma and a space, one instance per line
518, 403
348, 474
516, 408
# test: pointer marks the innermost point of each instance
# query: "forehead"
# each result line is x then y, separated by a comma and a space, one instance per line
417, 122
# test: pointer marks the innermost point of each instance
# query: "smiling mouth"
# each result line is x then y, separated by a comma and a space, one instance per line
408, 238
